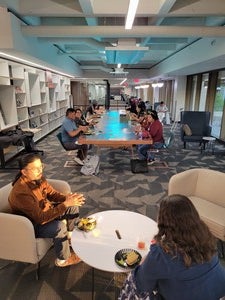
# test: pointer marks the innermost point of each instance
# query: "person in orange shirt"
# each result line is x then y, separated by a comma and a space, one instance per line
53, 214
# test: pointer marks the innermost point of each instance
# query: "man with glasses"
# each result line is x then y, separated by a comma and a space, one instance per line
53, 214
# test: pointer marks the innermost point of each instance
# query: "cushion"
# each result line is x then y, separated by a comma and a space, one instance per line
212, 214
187, 129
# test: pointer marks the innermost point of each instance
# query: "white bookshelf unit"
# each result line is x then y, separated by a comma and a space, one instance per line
31, 98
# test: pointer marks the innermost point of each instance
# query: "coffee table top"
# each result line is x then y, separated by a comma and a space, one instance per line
209, 138
98, 247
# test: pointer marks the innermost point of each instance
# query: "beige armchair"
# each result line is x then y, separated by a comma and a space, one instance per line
17, 238
206, 189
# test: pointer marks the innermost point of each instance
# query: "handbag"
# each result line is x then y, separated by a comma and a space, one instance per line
138, 166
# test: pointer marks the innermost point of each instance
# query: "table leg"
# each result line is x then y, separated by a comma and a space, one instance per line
2, 157
132, 151
93, 284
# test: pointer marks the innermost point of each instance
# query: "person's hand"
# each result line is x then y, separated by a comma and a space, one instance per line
84, 128
74, 199
138, 129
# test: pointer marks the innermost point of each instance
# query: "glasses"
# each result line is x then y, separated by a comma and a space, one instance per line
36, 169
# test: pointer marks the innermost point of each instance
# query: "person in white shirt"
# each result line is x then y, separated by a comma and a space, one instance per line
162, 110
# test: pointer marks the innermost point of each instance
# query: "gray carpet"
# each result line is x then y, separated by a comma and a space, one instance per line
115, 187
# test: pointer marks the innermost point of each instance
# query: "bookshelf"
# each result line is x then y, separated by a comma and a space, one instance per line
31, 98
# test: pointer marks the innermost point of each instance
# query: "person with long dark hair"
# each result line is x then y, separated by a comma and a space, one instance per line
182, 263
151, 129
53, 214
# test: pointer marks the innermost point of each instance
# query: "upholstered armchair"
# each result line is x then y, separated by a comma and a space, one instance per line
206, 189
198, 123
17, 237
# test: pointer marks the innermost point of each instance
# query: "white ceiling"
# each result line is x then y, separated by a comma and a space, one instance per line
82, 29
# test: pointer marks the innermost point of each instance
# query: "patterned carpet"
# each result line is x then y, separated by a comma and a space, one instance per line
115, 187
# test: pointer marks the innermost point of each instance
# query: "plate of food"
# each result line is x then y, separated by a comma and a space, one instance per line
86, 224
89, 132
128, 258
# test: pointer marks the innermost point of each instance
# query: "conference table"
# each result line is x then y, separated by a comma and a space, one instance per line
115, 230
115, 130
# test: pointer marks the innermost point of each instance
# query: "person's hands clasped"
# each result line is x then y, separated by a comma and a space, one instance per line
74, 199
84, 128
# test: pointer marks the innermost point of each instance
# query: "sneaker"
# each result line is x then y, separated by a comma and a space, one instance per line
72, 260
78, 161
151, 162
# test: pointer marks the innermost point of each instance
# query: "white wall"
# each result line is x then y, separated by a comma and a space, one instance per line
204, 55
33, 49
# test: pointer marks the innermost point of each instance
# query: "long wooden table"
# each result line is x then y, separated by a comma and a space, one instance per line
113, 130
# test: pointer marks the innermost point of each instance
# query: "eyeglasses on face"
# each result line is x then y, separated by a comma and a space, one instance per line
36, 169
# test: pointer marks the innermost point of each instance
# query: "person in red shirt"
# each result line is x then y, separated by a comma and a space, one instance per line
151, 129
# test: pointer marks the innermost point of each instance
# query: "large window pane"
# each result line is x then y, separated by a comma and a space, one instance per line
204, 89
218, 105
193, 92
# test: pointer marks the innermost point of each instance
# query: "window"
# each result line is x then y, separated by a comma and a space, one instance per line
218, 105
204, 89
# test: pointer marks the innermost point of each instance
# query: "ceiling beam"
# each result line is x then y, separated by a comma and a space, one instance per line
115, 31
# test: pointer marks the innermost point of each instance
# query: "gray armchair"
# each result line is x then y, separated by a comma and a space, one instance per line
17, 237
198, 121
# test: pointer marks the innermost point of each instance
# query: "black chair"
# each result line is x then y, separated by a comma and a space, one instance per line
17, 138
198, 122
59, 137
30, 146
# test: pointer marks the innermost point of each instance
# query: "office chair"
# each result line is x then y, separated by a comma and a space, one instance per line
59, 137
169, 141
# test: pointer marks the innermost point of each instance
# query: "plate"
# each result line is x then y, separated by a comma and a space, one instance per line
88, 133
86, 224
121, 256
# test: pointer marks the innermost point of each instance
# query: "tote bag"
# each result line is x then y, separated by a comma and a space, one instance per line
138, 166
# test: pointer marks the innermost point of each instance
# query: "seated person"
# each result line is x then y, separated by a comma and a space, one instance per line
151, 129
132, 106
70, 134
92, 112
80, 119
182, 263
141, 106
161, 109
52, 214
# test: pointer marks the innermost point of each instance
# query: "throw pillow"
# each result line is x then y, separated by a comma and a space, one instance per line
187, 129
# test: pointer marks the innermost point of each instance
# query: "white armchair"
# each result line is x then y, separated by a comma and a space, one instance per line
206, 189
17, 237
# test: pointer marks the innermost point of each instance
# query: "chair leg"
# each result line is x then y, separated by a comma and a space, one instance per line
38, 271
221, 248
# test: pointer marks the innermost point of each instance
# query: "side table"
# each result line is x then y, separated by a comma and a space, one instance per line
98, 247
208, 144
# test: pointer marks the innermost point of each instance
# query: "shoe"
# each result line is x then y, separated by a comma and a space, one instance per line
78, 161
151, 162
72, 260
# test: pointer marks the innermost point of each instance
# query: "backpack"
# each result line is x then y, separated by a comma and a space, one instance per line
91, 165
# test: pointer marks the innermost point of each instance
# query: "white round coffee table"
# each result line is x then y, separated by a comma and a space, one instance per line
115, 230
98, 247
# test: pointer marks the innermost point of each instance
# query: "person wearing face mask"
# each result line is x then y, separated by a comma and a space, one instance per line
52, 214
